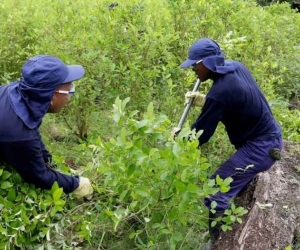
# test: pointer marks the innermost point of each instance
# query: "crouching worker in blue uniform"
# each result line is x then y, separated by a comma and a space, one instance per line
45, 87
235, 100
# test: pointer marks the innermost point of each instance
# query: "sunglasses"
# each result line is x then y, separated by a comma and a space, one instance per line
195, 65
66, 92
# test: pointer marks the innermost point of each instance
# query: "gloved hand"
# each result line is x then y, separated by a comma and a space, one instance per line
199, 99
85, 188
175, 132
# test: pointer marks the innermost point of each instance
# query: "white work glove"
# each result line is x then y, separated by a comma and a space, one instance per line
199, 99
85, 188
175, 132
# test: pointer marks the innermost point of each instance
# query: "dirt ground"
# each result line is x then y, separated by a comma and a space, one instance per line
273, 202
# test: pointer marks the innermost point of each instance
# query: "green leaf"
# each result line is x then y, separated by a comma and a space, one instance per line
132, 235
32, 193
143, 191
57, 194
123, 195
24, 217
180, 186
59, 202
191, 188
172, 214
142, 123
227, 181
177, 236
5, 175
54, 187
124, 103
150, 109
213, 204
3, 231
116, 117
219, 180
6, 184
158, 225
16, 178
165, 231
232, 218
205, 166
11, 195
224, 189
56, 209
176, 149
130, 170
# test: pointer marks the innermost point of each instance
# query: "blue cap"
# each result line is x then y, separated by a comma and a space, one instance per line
208, 51
49, 71
31, 95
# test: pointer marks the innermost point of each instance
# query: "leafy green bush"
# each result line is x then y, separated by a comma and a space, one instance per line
134, 49
32, 218
156, 185
148, 187
29, 216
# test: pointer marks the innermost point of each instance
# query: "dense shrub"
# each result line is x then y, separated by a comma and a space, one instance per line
148, 187
134, 48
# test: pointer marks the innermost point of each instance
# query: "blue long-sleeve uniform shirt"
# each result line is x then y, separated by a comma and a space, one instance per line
24, 150
236, 100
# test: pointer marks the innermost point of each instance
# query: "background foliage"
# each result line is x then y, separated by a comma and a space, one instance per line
149, 189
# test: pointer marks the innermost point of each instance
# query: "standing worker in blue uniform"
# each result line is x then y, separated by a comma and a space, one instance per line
235, 100
45, 87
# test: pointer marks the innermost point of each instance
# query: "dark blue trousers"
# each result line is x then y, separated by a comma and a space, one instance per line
254, 153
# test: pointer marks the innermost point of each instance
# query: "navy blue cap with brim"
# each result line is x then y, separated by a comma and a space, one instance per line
30, 97
49, 71
209, 52
75, 72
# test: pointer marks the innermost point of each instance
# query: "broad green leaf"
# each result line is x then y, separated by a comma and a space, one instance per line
219, 180
143, 191
191, 188
180, 186
5, 175
213, 204
142, 123
130, 170
172, 214
132, 235
150, 110
116, 117
123, 194
157, 225
177, 236
57, 194
54, 187
165, 231
6, 184
32, 193
224, 189
59, 202
124, 103
11, 195
227, 181
205, 166
56, 209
